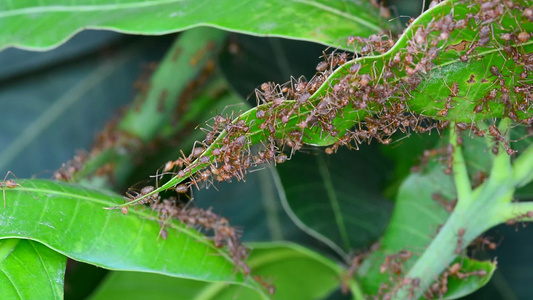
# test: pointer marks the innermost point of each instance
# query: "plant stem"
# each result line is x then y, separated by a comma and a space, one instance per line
460, 173
476, 212
516, 211
501, 166
523, 168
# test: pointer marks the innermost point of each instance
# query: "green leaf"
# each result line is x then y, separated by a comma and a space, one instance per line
30, 270
405, 154
458, 288
396, 96
297, 272
442, 238
70, 220
415, 219
338, 197
41, 25
408, 233
134, 285
473, 77
279, 263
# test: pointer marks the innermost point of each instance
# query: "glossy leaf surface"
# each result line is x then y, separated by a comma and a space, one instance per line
458, 288
419, 212
70, 220
281, 264
415, 220
405, 92
30, 270
45, 24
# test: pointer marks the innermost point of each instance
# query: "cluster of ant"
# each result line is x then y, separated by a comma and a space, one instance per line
448, 205
202, 220
412, 283
123, 141
206, 221
109, 138
519, 218
68, 169
393, 265
422, 49
386, 103
355, 263
379, 94
440, 287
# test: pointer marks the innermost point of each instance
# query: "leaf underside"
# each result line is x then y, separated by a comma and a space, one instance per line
40, 25
70, 220
280, 264
30, 270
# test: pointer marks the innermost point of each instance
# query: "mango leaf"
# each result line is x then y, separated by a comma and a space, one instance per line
338, 197
63, 217
458, 288
398, 100
406, 232
431, 68
428, 196
405, 154
284, 263
281, 264
30, 270
45, 24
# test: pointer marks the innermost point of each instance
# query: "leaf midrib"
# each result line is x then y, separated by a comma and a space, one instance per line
141, 213
334, 202
46, 271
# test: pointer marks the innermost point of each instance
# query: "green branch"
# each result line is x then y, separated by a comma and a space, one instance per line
460, 173
523, 168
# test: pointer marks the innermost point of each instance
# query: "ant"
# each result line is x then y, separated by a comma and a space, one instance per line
498, 137
269, 287
143, 196
448, 205
8, 183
